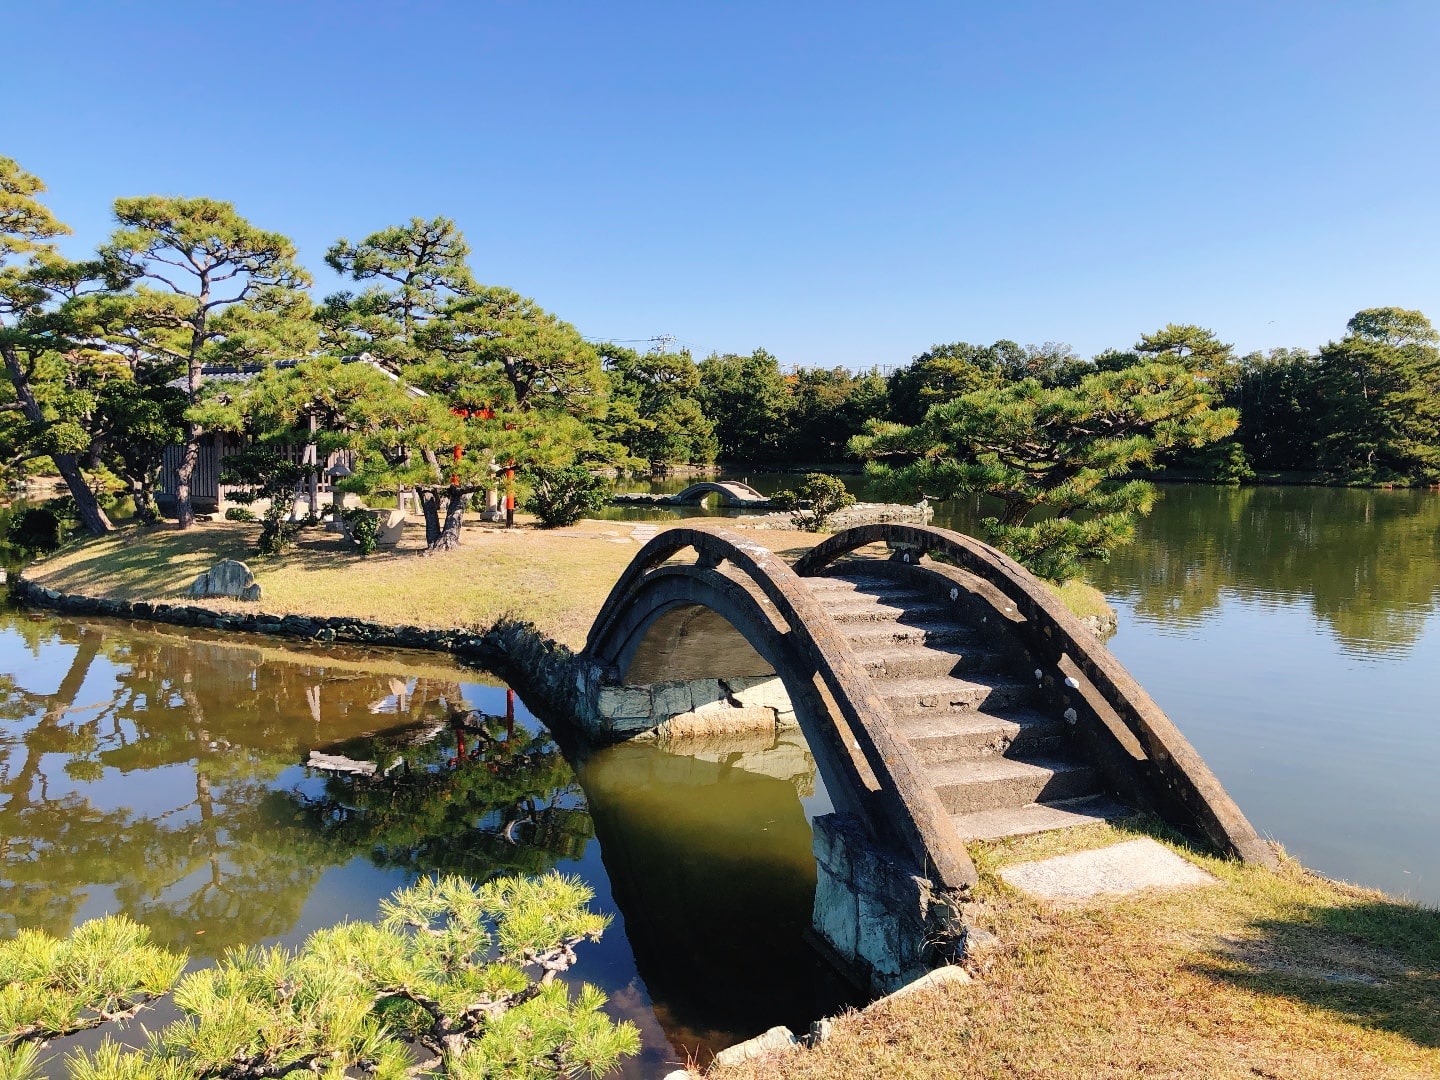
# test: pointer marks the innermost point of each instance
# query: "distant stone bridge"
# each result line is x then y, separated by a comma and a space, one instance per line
943, 701
731, 493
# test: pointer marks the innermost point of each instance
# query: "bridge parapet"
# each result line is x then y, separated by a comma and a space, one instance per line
1086, 676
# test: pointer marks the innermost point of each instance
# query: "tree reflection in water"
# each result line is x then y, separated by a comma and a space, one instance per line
1366, 562
161, 778
476, 796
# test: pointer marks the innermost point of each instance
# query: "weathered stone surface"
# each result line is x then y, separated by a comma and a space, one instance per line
886, 940
829, 847
1112, 871
978, 941
836, 913
391, 527
767, 693
629, 702
670, 698
884, 921
626, 727
776, 1040
226, 578
719, 721
948, 975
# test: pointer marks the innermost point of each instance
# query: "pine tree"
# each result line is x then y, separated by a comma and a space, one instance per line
1380, 386
1051, 456
207, 287
509, 384
53, 372
467, 972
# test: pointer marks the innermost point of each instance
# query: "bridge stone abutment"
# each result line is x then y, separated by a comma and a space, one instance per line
692, 674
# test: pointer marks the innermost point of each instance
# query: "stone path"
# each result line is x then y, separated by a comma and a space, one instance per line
643, 534
1117, 870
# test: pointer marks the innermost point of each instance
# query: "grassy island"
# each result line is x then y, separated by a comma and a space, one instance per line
554, 578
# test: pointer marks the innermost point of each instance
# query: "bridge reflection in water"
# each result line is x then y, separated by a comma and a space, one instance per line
707, 851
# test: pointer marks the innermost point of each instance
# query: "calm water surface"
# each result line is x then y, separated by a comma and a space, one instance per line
163, 773
1292, 634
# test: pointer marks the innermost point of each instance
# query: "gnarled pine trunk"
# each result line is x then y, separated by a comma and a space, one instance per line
454, 512
184, 512
430, 508
444, 537
142, 492
91, 516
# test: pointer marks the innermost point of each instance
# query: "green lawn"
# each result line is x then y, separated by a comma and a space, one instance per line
557, 580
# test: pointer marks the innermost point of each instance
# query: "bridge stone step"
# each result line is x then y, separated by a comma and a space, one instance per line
920, 661
866, 610
1038, 817
911, 632
993, 782
939, 737
977, 692
861, 585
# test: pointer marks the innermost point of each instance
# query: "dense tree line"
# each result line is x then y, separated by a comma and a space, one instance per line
1363, 409
473, 385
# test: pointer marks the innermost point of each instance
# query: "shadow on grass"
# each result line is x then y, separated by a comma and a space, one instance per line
161, 562
1375, 962
144, 562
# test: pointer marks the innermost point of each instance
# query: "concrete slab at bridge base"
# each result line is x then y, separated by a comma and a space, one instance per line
737, 704
1117, 870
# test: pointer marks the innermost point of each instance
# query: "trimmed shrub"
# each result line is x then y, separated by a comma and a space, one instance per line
563, 495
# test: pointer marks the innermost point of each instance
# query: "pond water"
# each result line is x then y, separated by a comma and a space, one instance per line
1292, 634
163, 773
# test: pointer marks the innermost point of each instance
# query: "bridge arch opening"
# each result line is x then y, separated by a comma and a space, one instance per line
669, 618
691, 641
733, 739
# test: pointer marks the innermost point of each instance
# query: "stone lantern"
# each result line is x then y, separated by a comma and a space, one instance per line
338, 471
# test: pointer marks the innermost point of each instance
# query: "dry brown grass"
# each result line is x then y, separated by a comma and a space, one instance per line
1266, 975
556, 579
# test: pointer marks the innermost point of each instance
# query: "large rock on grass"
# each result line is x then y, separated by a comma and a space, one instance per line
226, 578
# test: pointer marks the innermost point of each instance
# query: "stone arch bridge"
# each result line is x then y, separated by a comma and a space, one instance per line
945, 693
732, 493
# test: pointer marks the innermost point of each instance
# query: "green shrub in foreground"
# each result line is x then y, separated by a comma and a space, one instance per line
466, 972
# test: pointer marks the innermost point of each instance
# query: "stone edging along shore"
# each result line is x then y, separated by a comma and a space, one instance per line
547, 674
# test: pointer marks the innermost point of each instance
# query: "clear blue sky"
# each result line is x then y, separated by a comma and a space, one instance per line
839, 183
